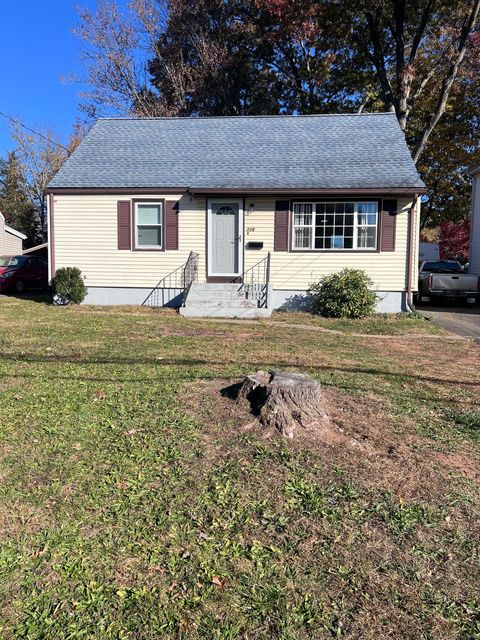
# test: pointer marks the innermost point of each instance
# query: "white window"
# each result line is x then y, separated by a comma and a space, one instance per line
366, 223
335, 225
148, 225
303, 225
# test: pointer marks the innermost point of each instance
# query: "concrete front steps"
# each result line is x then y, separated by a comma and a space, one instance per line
222, 300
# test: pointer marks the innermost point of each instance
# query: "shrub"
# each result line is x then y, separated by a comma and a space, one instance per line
68, 286
346, 294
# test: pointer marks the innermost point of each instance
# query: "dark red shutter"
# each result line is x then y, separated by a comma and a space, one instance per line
171, 225
280, 238
388, 225
124, 224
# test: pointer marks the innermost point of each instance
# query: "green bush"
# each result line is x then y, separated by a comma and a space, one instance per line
346, 294
68, 286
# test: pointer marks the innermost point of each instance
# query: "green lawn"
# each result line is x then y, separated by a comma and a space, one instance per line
138, 503
385, 324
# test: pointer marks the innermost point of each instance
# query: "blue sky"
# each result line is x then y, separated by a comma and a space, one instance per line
37, 47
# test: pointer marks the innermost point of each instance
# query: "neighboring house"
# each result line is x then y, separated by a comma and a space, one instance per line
474, 260
11, 240
40, 250
309, 195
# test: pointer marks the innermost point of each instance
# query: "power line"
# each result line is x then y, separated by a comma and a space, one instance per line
37, 133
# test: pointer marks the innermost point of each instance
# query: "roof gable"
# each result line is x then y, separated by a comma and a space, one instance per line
11, 230
364, 151
14, 232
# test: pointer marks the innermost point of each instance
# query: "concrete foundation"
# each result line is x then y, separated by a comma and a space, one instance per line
287, 300
388, 301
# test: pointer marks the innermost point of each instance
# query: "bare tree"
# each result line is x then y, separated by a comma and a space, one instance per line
116, 50
40, 156
150, 59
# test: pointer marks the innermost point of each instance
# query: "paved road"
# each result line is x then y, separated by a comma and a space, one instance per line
464, 321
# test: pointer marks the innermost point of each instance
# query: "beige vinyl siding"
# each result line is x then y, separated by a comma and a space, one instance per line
9, 243
13, 244
86, 237
2, 234
85, 228
296, 270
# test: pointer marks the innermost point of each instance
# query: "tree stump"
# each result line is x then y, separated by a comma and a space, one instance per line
285, 401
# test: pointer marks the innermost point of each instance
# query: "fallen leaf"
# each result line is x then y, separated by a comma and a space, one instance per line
219, 582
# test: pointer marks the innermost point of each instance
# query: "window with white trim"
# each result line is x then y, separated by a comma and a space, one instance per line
148, 225
335, 225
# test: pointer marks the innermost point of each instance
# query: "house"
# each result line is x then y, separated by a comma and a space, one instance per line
474, 253
11, 240
251, 209
39, 250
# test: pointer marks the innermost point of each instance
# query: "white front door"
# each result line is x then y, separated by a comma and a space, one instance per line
225, 237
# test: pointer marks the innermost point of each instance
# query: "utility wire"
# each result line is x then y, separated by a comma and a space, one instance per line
37, 133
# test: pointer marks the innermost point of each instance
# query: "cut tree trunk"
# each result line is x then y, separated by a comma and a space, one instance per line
288, 402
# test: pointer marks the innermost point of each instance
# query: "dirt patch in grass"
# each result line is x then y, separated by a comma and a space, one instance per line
131, 310
433, 360
21, 520
199, 332
465, 465
400, 547
376, 447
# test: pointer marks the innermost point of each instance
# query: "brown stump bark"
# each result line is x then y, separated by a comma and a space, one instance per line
285, 401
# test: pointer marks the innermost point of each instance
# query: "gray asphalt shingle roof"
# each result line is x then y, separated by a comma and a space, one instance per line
264, 152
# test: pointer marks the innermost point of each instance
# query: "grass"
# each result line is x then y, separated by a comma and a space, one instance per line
382, 324
135, 504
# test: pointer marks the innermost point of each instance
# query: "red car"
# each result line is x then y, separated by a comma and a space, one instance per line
18, 273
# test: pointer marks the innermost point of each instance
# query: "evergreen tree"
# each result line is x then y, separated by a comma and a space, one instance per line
18, 210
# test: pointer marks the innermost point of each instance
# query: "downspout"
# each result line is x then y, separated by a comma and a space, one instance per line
411, 254
50, 236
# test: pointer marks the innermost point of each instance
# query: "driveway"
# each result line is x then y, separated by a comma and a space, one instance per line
464, 321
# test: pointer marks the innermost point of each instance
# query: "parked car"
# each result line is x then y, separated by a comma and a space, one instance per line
446, 279
19, 273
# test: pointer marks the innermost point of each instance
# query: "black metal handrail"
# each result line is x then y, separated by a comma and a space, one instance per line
174, 284
256, 281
